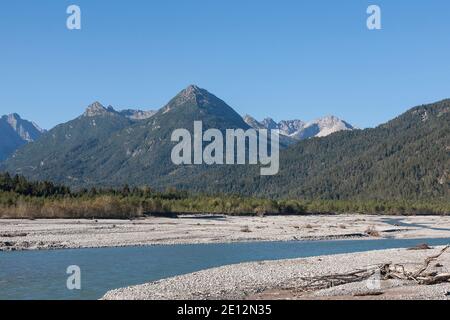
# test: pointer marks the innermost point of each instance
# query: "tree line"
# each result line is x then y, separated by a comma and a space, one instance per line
20, 198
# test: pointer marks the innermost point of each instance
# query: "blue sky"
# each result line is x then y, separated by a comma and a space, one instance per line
285, 59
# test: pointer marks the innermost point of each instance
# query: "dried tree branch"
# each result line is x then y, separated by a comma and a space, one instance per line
386, 271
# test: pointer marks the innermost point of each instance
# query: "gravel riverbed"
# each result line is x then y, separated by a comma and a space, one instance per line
63, 234
281, 280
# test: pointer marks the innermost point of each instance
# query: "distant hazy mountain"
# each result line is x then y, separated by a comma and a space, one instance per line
285, 140
300, 130
15, 132
137, 114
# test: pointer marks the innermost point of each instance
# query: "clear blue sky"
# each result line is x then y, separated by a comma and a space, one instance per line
284, 59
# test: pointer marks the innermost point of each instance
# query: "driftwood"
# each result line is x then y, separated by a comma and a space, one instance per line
384, 271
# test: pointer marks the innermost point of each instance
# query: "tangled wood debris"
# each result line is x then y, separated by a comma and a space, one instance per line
385, 271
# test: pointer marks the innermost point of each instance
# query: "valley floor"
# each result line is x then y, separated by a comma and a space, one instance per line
59, 234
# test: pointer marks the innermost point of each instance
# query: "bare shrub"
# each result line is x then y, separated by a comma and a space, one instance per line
371, 231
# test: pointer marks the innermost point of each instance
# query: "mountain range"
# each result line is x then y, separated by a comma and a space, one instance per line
105, 147
16, 132
97, 109
290, 130
406, 158
300, 130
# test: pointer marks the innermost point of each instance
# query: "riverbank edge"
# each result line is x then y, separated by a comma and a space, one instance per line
280, 279
52, 247
26, 235
311, 239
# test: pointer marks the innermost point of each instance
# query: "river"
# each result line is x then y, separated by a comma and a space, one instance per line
42, 274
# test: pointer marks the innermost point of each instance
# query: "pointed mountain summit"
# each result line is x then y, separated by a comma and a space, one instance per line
195, 94
193, 104
97, 109
192, 95
329, 125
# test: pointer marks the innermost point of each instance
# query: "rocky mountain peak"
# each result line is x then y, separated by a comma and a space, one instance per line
330, 119
270, 124
17, 123
97, 109
137, 114
15, 132
291, 126
12, 119
193, 89
252, 122
301, 130
193, 93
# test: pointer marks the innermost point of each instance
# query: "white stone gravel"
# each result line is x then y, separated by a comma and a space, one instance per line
246, 280
56, 234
